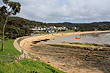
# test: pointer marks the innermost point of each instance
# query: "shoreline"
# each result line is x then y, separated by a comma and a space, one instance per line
27, 44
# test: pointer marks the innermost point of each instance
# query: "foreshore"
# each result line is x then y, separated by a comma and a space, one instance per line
27, 42
52, 57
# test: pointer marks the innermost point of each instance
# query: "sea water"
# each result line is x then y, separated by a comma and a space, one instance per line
98, 38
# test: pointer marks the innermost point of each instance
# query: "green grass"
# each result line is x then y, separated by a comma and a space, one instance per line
67, 31
25, 65
8, 48
28, 66
18, 40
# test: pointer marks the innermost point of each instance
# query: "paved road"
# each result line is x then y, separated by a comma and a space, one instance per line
16, 45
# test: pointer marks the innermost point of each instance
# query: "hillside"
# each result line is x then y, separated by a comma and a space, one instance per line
86, 26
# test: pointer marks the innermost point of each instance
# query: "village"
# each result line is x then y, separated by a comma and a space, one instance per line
50, 29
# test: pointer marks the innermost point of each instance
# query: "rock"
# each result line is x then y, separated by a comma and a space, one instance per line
48, 62
38, 59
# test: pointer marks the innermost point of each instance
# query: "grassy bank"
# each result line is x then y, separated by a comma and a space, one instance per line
9, 48
28, 66
24, 66
67, 31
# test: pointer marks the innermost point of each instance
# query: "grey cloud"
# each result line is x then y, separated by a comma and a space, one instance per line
65, 10
1, 3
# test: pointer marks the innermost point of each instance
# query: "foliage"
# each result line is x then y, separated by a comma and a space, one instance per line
86, 26
9, 8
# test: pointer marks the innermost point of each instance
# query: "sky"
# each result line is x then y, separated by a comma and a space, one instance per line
75, 11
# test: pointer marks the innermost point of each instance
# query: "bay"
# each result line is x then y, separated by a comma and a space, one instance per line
98, 38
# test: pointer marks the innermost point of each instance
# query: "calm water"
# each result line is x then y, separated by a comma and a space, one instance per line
98, 38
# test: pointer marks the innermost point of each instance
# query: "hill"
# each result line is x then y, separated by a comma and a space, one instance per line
86, 26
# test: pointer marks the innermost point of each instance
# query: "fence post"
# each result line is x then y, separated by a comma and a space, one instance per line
8, 58
22, 52
18, 58
14, 58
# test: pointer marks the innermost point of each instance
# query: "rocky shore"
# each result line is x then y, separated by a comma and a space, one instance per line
68, 59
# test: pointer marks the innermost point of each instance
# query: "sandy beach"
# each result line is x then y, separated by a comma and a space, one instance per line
28, 43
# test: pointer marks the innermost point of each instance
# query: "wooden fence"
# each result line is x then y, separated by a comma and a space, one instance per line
15, 59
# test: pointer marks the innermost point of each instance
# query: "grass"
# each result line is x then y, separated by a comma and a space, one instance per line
67, 31
25, 65
9, 48
18, 40
28, 66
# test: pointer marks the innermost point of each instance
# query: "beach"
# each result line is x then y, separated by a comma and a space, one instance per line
35, 46
27, 42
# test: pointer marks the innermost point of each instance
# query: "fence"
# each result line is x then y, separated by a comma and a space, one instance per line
14, 58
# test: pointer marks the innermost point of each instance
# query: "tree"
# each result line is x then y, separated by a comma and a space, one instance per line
9, 8
12, 30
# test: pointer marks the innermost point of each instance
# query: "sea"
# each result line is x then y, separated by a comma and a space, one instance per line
98, 38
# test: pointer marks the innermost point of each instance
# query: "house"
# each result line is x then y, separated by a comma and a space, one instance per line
74, 28
48, 31
62, 28
59, 28
52, 27
38, 29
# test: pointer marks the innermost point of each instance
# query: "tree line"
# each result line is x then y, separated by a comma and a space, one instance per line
86, 26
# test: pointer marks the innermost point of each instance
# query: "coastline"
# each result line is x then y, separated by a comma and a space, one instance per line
27, 44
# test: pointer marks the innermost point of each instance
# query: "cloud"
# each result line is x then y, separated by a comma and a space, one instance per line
1, 3
65, 10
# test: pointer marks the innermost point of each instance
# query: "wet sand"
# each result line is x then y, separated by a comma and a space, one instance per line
34, 45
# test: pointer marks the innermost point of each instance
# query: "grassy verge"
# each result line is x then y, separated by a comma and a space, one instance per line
67, 31
28, 66
18, 40
24, 66
9, 48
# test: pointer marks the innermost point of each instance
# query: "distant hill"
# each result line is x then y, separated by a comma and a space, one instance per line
82, 26
79, 24
67, 24
86, 26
